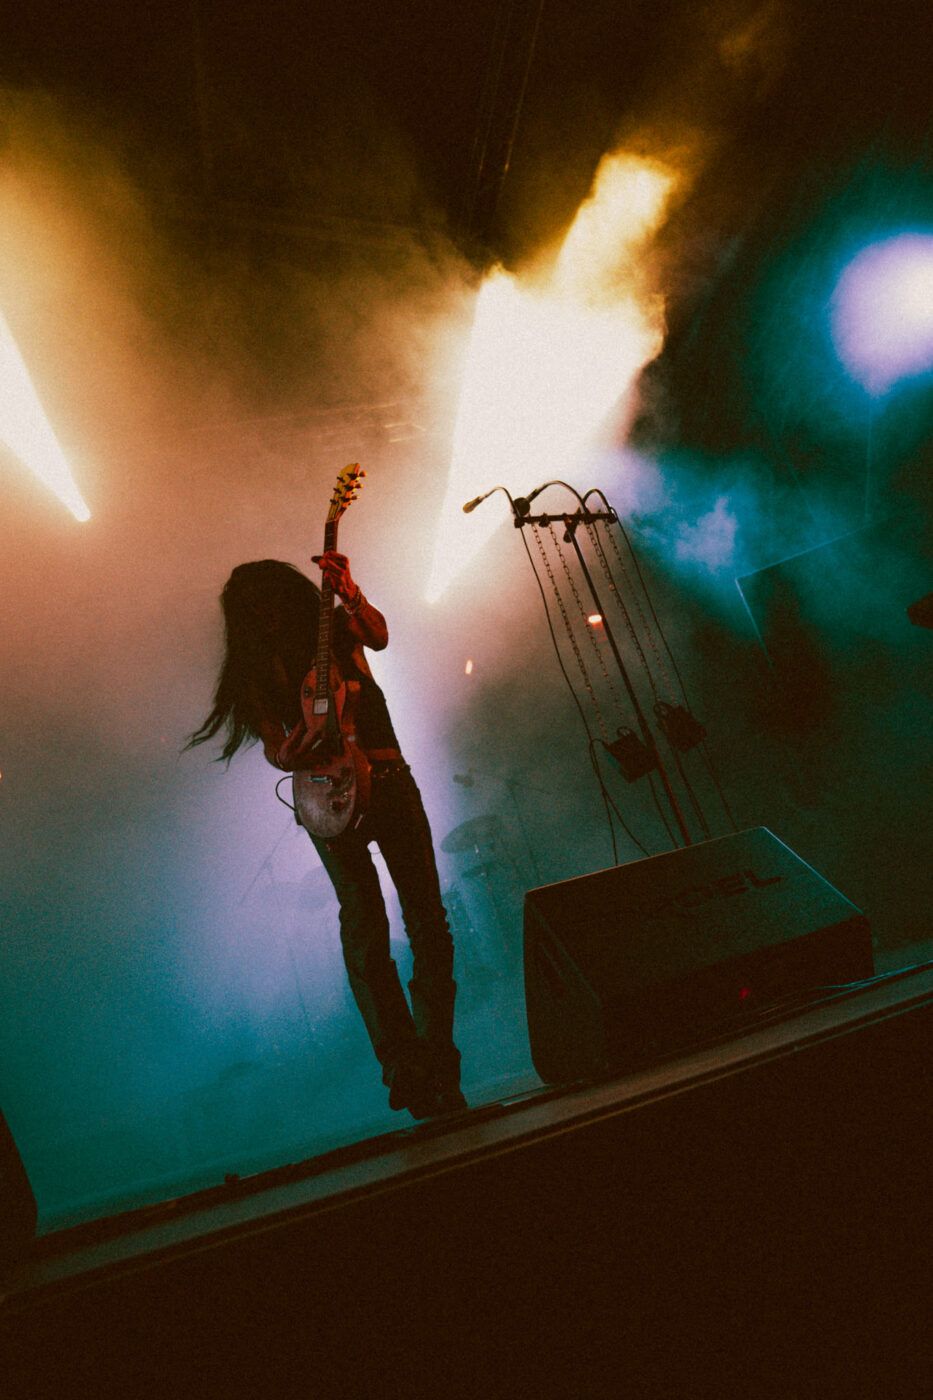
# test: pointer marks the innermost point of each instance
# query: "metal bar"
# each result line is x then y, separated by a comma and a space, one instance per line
581, 517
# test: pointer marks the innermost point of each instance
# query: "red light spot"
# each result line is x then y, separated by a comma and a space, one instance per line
744, 993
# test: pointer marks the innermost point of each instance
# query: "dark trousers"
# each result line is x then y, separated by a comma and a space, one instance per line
397, 822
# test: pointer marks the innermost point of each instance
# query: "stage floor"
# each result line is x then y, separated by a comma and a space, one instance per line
524, 1114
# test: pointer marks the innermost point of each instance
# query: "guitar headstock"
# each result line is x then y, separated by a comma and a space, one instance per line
349, 484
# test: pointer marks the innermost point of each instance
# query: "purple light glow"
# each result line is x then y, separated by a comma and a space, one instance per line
882, 312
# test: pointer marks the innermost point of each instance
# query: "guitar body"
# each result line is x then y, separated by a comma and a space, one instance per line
332, 786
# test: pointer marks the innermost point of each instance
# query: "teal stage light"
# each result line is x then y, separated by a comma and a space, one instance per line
881, 312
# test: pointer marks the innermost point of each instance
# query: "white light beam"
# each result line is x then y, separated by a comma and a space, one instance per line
26, 430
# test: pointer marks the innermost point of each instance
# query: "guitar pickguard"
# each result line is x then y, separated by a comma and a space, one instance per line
332, 785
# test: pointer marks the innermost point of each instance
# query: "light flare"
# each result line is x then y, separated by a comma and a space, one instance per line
881, 312
549, 356
26, 430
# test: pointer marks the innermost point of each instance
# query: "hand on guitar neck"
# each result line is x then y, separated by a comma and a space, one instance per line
336, 570
365, 622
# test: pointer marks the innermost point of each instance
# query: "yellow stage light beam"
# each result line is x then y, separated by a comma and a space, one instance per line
26, 430
625, 206
548, 358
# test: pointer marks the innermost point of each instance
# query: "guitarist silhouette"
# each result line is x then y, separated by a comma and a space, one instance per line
272, 613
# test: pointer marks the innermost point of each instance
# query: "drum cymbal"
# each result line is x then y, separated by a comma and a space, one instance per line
477, 831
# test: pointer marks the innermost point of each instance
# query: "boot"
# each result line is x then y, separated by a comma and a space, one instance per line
410, 1082
433, 1012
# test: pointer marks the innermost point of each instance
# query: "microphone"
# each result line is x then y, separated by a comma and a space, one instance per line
476, 501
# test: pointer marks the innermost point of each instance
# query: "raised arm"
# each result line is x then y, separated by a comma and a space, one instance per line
364, 621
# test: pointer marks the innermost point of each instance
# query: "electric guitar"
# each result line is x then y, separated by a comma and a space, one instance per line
332, 784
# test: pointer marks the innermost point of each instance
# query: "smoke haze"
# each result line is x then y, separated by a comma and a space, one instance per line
174, 999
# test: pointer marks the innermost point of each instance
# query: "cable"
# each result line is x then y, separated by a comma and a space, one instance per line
633, 635
281, 798
594, 759
614, 696
714, 778
661, 813
694, 800
808, 998
704, 750
858, 985
600, 553
568, 626
576, 700
626, 615
567, 487
743, 1022
595, 491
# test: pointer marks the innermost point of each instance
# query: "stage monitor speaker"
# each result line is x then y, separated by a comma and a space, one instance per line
631, 964
18, 1213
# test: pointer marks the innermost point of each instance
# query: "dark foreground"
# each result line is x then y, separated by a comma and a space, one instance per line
751, 1219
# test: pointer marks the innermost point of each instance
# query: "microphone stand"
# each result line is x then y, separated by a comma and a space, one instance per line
571, 523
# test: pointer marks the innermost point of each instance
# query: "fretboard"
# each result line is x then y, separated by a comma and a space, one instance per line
325, 620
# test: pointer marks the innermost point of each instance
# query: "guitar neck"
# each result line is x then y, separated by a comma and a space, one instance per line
325, 619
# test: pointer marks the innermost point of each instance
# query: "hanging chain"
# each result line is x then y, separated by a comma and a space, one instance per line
616, 699
645, 627
569, 630
652, 642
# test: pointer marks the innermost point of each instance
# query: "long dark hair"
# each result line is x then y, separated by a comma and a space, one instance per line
270, 614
